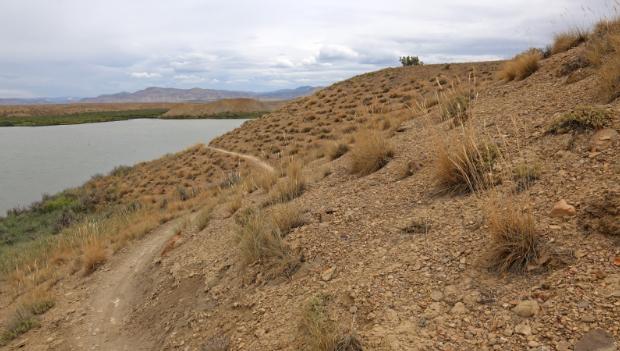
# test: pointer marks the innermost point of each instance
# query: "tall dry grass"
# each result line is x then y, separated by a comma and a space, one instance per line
289, 187
370, 153
521, 66
568, 40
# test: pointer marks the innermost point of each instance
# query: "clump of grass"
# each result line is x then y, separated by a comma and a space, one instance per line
260, 241
371, 152
235, 202
320, 333
602, 51
581, 119
521, 66
407, 169
21, 321
336, 150
38, 301
515, 242
265, 179
290, 187
93, 255
287, 217
568, 40
525, 174
455, 106
466, 165
203, 217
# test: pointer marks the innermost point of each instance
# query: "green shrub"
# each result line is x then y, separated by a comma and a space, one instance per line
410, 61
581, 119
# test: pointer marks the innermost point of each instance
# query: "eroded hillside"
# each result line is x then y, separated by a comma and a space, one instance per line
421, 208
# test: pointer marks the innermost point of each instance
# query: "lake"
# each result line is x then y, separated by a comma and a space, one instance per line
38, 160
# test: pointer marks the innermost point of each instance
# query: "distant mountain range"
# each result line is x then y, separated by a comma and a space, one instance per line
157, 94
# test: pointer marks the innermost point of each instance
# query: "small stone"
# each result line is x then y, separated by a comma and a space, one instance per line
588, 318
523, 329
562, 346
436, 295
451, 294
459, 308
562, 209
596, 340
328, 274
602, 139
433, 310
527, 308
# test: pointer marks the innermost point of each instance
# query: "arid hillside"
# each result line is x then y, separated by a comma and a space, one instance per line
470, 206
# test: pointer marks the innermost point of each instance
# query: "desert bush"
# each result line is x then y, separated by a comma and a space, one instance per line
581, 119
515, 242
410, 61
286, 217
290, 187
336, 150
568, 40
455, 106
371, 152
602, 52
464, 165
521, 66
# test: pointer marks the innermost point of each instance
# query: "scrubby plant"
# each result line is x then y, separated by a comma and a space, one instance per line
286, 217
515, 243
290, 187
568, 40
336, 150
410, 61
260, 241
21, 321
93, 254
465, 165
455, 105
320, 333
521, 66
204, 217
525, 174
602, 52
370, 153
581, 119
265, 179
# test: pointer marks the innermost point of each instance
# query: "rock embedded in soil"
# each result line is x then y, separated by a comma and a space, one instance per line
328, 274
563, 209
596, 340
527, 308
603, 139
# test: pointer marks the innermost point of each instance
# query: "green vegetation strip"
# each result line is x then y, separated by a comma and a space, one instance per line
79, 118
222, 115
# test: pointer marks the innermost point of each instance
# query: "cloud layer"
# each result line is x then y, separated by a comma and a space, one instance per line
86, 48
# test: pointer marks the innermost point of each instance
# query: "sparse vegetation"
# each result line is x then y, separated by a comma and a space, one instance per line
371, 152
410, 61
204, 217
568, 40
525, 174
79, 118
93, 254
286, 217
514, 243
320, 333
521, 66
265, 179
290, 187
336, 150
259, 240
581, 119
21, 321
455, 106
218, 343
465, 165
602, 51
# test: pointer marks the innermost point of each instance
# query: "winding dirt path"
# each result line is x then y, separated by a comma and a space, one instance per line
116, 291
255, 160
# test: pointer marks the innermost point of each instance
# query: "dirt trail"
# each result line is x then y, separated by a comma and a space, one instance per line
254, 160
115, 293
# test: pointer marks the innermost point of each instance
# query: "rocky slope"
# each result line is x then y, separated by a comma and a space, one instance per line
395, 263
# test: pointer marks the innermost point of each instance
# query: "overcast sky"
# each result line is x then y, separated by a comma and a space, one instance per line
88, 47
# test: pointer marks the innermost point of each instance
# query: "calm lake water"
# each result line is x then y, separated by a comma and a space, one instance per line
38, 160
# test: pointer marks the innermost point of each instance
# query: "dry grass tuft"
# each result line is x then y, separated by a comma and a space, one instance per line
265, 179
287, 217
260, 241
204, 217
525, 174
464, 165
455, 106
602, 51
581, 119
319, 333
371, 152
292, 186
568, 40
93, 255
336, 150
515, 243
521, 66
